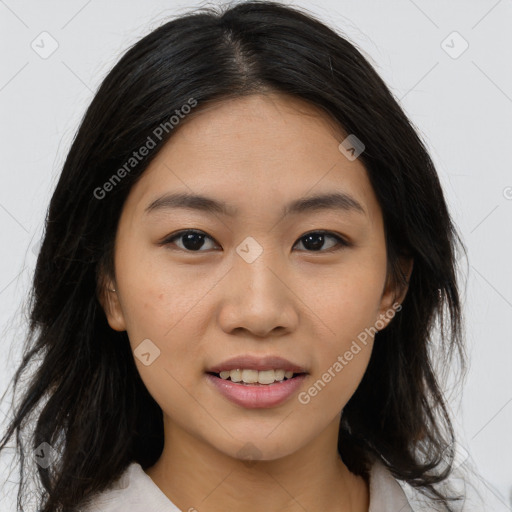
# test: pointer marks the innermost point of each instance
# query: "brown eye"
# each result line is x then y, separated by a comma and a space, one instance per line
314, 241
191, 240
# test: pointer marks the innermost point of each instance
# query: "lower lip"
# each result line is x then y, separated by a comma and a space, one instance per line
257, 396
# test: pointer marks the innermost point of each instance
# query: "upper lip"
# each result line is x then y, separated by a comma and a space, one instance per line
249, 362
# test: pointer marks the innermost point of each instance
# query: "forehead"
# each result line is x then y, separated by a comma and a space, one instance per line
270, 107
257, 151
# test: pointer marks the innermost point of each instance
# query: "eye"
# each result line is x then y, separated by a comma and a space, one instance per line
314, 240
193, 240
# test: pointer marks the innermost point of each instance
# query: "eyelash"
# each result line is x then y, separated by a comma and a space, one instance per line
342, 243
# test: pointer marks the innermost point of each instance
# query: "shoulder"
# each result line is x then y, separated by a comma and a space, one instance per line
134, 491
386, 491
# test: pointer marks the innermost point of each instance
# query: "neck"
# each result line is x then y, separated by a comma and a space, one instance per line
195, 475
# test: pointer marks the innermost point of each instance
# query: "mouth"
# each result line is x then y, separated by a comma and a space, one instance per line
254, 381
248, 377
244, 389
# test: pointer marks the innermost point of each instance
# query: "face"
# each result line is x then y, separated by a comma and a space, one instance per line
260, 278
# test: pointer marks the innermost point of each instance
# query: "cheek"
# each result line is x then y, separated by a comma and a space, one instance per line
163, 307
174, 348
340, 364
348, 309
147, 290
351, 302
333, 386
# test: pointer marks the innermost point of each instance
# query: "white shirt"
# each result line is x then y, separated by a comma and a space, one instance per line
134, 491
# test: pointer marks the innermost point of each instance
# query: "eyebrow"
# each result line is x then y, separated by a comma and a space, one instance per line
331, 201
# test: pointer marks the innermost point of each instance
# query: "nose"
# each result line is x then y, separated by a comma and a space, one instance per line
258, 298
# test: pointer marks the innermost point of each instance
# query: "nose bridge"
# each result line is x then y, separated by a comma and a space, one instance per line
257, 297
255, 268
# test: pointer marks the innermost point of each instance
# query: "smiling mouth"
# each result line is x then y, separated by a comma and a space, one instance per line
253, 389
255, 377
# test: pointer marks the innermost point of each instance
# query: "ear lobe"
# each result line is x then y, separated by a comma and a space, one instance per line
395, 292
109, 300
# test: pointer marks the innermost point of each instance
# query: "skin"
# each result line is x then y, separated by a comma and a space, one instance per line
202, 307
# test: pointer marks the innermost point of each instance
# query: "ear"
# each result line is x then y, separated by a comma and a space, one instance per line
109, 300
394, 292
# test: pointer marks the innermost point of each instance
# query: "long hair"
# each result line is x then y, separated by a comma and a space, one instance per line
83, 395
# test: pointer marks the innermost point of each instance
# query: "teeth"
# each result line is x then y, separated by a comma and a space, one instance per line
255, 376
250, 376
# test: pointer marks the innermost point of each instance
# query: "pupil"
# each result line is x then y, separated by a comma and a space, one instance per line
314, 246
188, 241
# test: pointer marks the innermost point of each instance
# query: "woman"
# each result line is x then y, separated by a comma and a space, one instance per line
245, 258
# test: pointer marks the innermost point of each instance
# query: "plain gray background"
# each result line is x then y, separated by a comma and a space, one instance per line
459, 98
